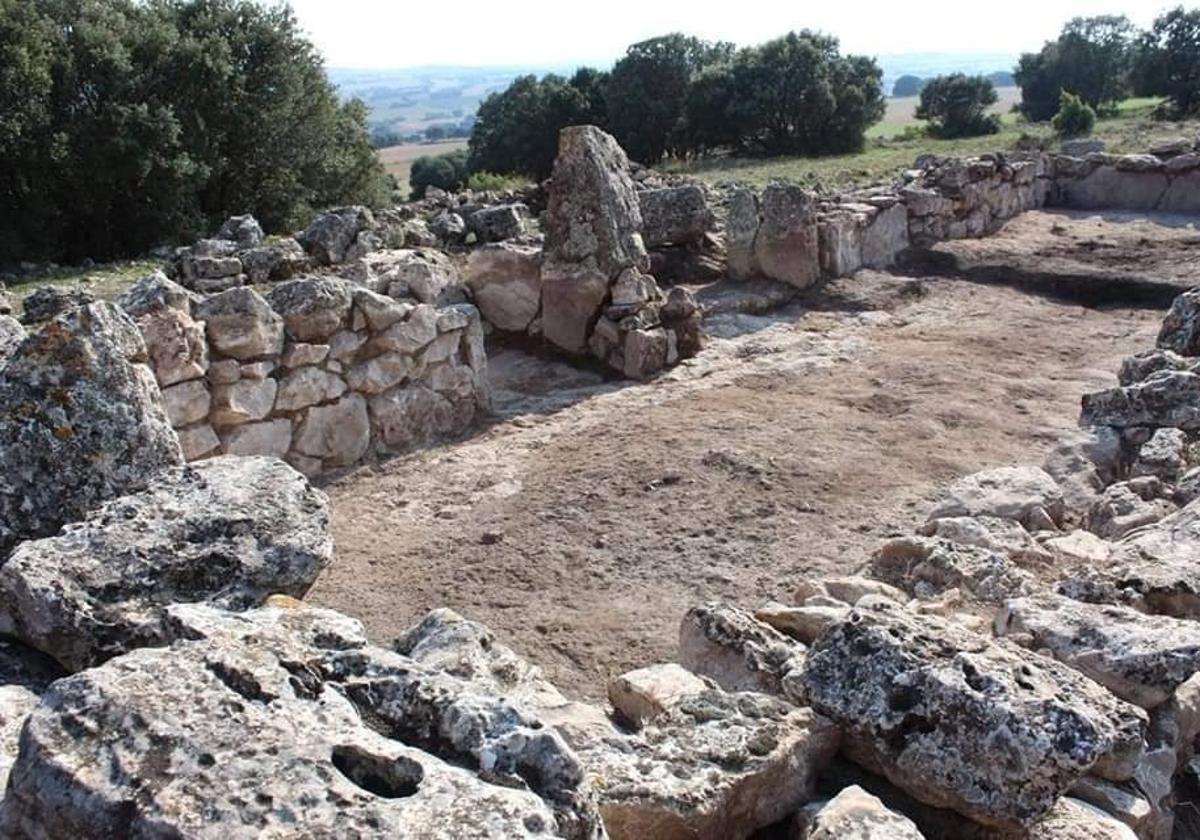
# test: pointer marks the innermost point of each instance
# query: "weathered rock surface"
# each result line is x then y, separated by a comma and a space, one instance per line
183, 734
716, 766
741, 229
1121, 509
244, 230
495, 224
786, 247
1165, 398
853, 814
12, 333
738, 652
229, 531
51, 301
332, 233
674, 215
642, 695
927, 567
1140, 658
81, 421
1024, 494
1153, 567
1180, 330
241, 324
960, 721
313, 309
506, 284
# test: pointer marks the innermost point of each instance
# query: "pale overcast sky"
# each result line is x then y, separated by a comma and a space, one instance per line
534, 33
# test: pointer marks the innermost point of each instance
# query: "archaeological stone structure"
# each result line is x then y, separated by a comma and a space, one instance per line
161, 675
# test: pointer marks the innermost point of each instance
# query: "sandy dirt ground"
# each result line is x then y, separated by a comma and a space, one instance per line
590, 515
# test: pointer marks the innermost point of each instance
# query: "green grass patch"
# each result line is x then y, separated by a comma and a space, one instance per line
105, 281
1130, 130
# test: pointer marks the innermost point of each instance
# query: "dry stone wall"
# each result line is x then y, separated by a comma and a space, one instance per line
321, 372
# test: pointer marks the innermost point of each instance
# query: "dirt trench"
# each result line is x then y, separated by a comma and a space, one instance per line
590, 515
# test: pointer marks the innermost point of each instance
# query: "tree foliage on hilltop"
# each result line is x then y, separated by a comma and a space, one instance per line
516, 130
957, 106
446, 172
793, 95
1167, 61
648, 91
1091, 58
124, 124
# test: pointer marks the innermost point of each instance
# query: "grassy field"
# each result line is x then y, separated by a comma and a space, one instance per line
1131, 130
398, 159
901, 112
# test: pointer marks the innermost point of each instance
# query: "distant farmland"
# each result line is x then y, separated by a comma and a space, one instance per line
398, 159
900, 112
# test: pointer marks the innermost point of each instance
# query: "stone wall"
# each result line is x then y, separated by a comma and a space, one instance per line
321, 372
789, 234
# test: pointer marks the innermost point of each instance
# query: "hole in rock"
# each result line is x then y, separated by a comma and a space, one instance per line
390, 778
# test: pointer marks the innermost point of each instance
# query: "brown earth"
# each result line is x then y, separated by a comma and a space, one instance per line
591, 515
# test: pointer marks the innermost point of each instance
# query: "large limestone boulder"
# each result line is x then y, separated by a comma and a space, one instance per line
786, 247
51, 301
313, 309
274, 262
495, 224
241, 324
739, 652
281, 722
505, 280
1137, 657
674, 215
715, 766
1027, 495
332, 233
229, 531
1153, 567
592, 226
175, 341
960, 721
853, 814
927, 567
338, 433
81, 421
1165, 398
741, 230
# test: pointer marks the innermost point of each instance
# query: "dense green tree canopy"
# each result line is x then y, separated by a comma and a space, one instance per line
1091, 57
648, 91
516, 130
129, 123
907, 86
957, 106
1167, 61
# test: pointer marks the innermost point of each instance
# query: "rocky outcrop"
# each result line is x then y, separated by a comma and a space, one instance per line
960, 721
49, 302
81, 422
1137, 657
786, 245
228, 531
11, 336
183, 732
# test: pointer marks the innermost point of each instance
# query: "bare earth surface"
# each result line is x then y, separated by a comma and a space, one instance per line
590, 516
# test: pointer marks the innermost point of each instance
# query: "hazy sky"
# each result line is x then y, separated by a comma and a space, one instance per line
401, 33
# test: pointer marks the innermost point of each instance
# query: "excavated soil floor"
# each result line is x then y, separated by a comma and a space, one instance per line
590, 515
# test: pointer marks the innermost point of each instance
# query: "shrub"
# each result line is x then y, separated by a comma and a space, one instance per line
446, 172
1075, 117
957, 106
